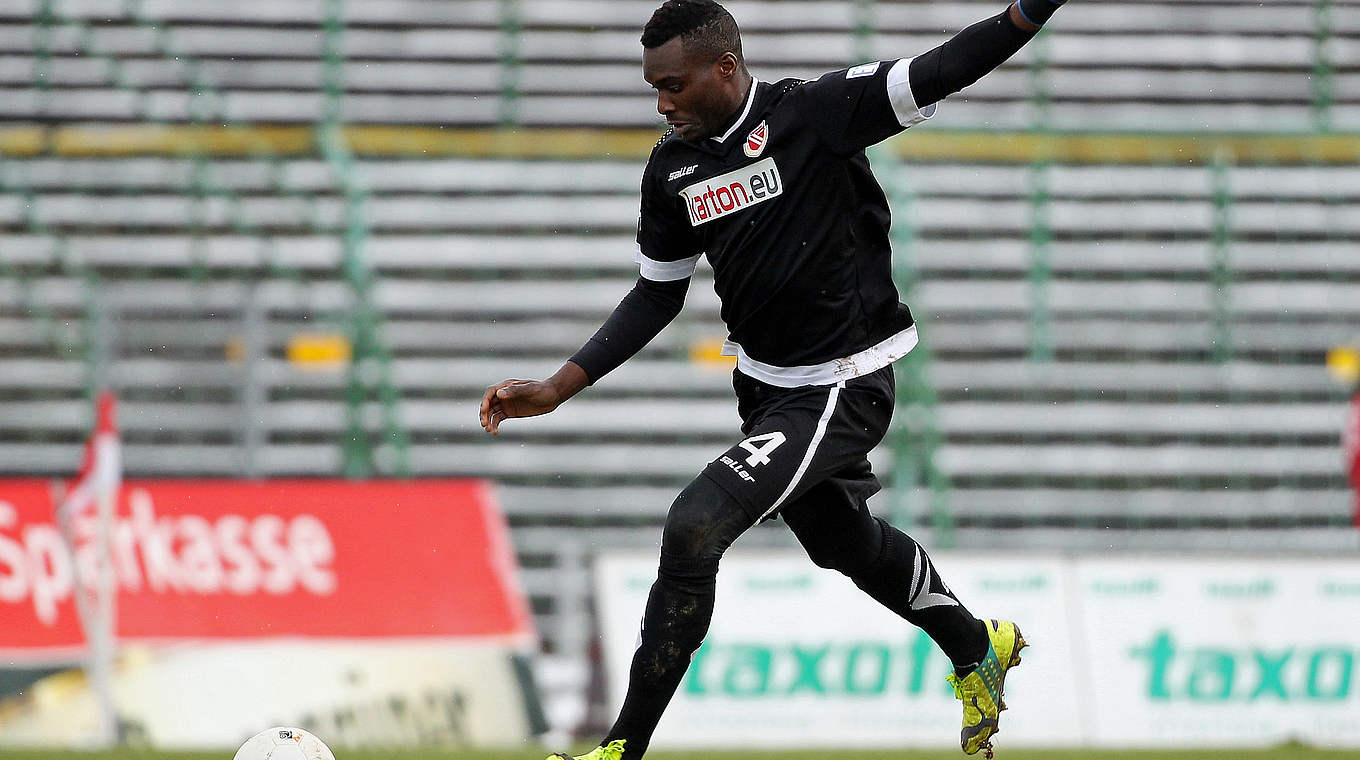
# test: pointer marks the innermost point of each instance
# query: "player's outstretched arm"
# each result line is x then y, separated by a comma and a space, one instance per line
969, 55
638, 318
529, 398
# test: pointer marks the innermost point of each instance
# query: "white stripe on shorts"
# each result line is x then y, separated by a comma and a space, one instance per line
812, 447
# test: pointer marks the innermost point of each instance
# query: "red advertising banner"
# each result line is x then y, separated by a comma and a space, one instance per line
235, 559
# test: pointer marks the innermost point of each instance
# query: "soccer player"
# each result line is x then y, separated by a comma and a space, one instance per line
770, 182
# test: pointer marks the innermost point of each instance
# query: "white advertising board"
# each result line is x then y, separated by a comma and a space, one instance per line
1238, 652
1129, 651
797, 656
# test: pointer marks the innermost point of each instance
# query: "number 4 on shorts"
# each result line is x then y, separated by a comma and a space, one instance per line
760, 454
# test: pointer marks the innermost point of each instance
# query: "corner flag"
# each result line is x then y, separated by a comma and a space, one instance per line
94, 493
101, 469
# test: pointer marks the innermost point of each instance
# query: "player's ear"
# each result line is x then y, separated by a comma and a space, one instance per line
728, 65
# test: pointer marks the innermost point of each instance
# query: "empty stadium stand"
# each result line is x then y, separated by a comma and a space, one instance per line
1125, 351
471, 286
1146, 65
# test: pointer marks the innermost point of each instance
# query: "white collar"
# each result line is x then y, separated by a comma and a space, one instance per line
750, 98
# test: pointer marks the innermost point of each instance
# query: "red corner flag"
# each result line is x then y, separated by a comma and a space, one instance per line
101, 469
94, 493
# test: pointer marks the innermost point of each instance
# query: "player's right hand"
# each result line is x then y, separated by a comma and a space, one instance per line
516, 398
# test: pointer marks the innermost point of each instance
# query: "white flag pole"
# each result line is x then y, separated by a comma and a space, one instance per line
102, 631
94, 494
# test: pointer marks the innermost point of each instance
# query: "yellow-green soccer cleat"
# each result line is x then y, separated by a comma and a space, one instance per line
610, 751
982, 690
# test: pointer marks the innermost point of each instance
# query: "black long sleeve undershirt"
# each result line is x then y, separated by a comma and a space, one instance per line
640, 316
965, 58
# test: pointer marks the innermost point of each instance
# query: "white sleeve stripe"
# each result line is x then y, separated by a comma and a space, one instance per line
901, 97
667, 271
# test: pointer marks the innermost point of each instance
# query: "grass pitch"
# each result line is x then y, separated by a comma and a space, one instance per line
1278, 753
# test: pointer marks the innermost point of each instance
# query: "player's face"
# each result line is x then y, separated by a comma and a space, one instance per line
694, 94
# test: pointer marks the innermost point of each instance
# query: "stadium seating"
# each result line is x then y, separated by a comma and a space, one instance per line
1190, 66
478, 274
1186, 308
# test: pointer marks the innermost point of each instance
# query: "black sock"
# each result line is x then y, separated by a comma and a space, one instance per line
904, 580
679, 610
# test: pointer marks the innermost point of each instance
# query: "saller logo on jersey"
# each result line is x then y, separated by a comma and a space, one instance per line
678, 173
731, 192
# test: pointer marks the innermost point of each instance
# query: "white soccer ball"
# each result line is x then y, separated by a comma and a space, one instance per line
284, 743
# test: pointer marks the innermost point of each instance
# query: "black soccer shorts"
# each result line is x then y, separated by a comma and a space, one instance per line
797, 438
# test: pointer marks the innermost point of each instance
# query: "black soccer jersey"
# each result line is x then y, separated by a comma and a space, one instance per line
793, 222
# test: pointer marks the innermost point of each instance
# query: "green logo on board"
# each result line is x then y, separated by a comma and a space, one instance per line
1321, 673
1127, 586
779, 583
1025, 583
1346, 588
1257, 588
755, 670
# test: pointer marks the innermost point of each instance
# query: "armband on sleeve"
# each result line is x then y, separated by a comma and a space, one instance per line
666, 271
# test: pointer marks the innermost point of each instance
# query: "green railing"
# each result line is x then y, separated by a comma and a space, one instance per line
1323, 75
370, 367
920, 487
511, 38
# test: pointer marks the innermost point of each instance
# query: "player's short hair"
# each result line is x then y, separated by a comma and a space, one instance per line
703, 26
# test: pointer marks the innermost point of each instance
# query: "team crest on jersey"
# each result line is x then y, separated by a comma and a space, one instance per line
755, 142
